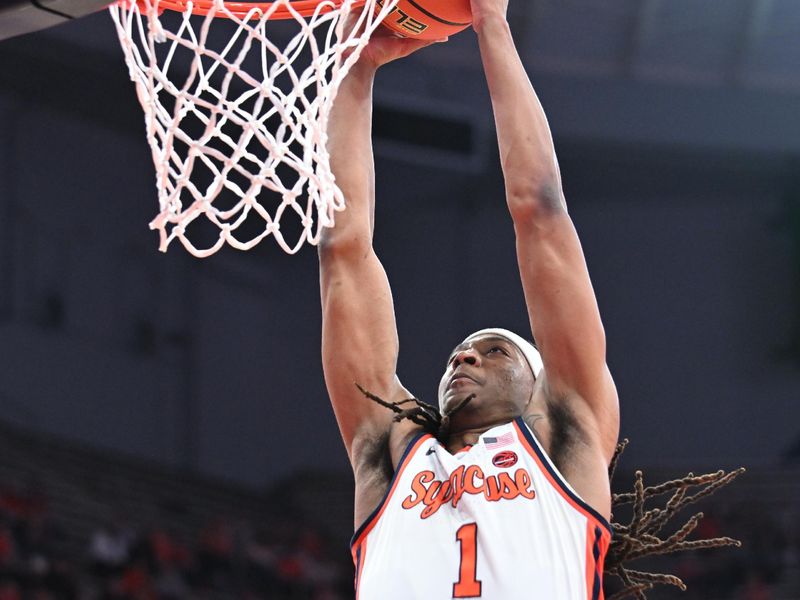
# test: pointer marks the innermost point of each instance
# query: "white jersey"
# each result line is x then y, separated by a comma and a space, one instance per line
495, 521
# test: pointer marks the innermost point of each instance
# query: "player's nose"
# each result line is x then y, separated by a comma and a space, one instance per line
468, 356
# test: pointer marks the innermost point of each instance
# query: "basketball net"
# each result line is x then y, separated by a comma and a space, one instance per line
234, 118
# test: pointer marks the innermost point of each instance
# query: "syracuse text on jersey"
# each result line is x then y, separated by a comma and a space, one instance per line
433, 493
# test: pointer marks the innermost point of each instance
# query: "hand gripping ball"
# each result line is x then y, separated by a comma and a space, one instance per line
428, 19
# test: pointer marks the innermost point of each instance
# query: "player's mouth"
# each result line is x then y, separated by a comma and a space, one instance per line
459, 379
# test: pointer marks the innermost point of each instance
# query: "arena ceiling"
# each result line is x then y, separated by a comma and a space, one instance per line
706, 75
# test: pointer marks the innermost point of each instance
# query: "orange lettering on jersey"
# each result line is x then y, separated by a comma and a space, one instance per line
523, 481
419, 489
508, 488
434, 493
434, 501
492, 490
473, 472
458, 481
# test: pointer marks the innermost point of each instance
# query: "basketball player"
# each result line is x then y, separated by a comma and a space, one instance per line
508, 497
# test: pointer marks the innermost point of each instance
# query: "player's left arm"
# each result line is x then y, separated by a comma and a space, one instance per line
561, 303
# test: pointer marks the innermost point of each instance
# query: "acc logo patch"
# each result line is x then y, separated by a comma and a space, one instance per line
505, 459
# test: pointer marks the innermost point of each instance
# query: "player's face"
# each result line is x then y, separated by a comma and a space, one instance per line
494, 370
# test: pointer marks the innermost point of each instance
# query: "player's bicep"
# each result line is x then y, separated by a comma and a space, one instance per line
359, 341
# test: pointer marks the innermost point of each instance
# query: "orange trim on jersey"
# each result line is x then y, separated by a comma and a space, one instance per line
373, 519
362, 554
597, 543
589, 560
595, 556
559, 485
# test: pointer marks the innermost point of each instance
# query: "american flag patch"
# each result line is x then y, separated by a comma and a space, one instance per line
498, 442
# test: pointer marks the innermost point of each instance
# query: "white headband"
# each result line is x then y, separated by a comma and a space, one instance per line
528, 350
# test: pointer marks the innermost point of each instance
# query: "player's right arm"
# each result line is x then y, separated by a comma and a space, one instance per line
359, 334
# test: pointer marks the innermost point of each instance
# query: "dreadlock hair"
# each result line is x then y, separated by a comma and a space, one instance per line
421, 413
637, 539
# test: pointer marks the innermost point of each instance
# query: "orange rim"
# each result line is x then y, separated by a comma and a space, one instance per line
304, 8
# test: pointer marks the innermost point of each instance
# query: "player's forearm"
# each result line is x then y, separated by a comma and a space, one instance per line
350, 148
526, 146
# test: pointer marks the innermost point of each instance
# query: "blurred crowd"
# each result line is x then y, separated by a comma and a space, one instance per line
38, 561
766, 567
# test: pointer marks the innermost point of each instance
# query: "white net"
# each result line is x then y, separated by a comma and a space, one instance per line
236, 115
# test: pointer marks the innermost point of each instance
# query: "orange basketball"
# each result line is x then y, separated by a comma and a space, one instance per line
428, 19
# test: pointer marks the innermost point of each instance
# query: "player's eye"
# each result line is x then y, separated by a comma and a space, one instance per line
495, 349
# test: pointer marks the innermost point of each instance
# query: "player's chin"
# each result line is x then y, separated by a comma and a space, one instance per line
452, 398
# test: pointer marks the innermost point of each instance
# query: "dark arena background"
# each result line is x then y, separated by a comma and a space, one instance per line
164, 427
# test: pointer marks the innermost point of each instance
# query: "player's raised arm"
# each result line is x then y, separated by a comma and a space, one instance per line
359, 335
561, 303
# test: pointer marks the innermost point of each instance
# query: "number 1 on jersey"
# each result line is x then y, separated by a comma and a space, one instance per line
467, 585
